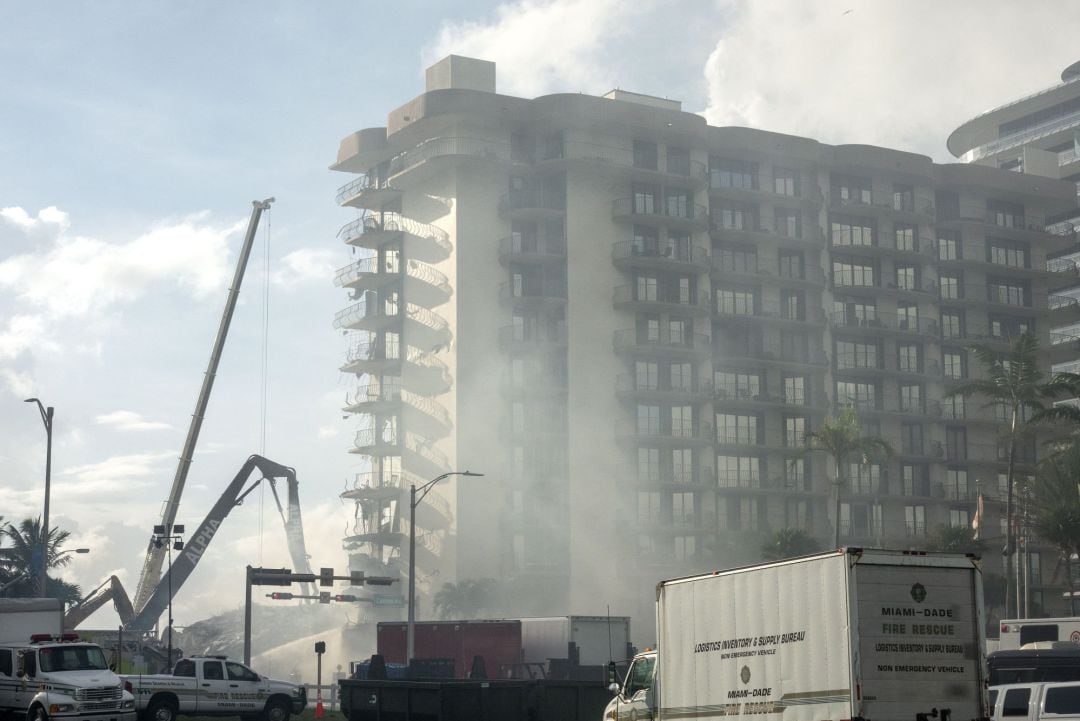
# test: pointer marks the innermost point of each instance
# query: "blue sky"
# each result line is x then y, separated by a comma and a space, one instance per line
133, 137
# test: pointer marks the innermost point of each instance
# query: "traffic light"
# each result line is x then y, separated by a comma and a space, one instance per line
356, 578
281, 596
272, 577
324, 597
345, 598
379, 580
326, 577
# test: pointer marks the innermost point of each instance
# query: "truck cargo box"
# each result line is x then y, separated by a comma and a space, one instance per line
498, 642
597, 639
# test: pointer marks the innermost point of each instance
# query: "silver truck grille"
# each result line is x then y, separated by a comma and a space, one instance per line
105, 693
99, 705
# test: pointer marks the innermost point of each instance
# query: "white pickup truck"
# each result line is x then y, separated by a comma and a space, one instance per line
214, 686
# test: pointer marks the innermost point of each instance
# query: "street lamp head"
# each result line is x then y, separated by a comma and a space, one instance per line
470, 473
82, 550
31, 400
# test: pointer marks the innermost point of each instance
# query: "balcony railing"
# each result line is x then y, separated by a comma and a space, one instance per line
435, 147
675, 253
630, 382
689, 212
886, 321
366, 267
391, 223
359, 185
548, 288
631, 338
770, 310
629, 294
533, 334
523, 245
883, 199
699, 431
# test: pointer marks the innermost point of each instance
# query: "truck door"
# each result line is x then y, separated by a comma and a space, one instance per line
633, 704
213, 689
245, 687
26, 670
1016, 703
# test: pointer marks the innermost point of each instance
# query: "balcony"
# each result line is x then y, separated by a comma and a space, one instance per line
689, 216
537, 251
532, 204
421, 241
772, 354
549, 292
750, 228
901, 206
370, 314
421, 372
679, 258
668, 478
857, 365
885, 322
367, 191
626, 297
525, 339
633, 432
433, 513
426, 157
619, 160
1021, 226
769, 312
662, 344
417, 451
425, 284
756, 191
631, 388
894, 406
419, 411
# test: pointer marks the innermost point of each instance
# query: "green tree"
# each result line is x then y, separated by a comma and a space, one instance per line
842, 440
19, 556
466, 599
1014, 381
952, 539
1053, 507
788, 542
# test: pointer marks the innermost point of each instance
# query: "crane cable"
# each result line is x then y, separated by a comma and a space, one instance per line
264, 369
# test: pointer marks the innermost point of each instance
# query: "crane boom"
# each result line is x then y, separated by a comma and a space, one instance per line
151, 572
185, 561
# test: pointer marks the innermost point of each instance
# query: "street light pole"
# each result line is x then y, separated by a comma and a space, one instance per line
170, 537
416, 495
43, 542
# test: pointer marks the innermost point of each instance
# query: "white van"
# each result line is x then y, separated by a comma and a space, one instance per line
1036, 701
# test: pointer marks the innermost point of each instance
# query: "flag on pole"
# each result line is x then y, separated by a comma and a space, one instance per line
976, 522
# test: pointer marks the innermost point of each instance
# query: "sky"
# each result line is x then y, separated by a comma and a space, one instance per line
133, 137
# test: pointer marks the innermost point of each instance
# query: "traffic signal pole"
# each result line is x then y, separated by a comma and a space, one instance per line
247, 618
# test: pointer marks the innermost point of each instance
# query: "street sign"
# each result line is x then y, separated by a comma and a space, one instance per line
388, 600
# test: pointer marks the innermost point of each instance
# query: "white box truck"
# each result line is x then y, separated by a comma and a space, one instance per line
598, 639
851, 634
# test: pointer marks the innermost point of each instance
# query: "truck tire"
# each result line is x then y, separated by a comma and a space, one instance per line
276, 710
37, 713
160, 709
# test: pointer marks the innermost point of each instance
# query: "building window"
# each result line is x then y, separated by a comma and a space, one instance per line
788, 223
1006, 327
648, 465
679, 204
792, 265
685, 547
735, 301
915, 520
914, 480
956, 484
951, 287
1007, 253
645, 199
738, 471
953, 407
907, 316
795, 390
738, 429
646, 376
682, 509
797, 513
848, 231
864, 478
648, 507
795, 474
911, 398
682, 377
860, 520
909, 358
648, 420
948, 246
1006, 293
725, 173
904, 236
1007, 215
911, 439
678, 161
646, 155
850, 394
954, 364
848, 190
959, 518
682, 421
903, 197
792, 304
907, 277
956, 443
952, 323
794, 431
731, 384
646, 241
851, 274
734, 216
851, 354
682, 465
736, 259
785, 181
646, 288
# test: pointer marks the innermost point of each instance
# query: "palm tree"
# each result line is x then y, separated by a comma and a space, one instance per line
465, 599
842, 440
788, 542
1053, 508
19, 559
952, 539
1015, 382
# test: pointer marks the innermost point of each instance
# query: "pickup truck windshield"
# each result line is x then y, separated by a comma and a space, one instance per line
72, 658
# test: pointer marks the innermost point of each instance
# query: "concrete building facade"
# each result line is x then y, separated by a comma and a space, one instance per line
629, 319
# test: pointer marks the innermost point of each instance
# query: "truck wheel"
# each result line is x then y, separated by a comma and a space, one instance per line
275, 711
160, 709
37, 714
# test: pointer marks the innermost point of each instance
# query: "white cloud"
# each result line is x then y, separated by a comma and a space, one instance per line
20, 384
543, 47
897, 74
306, 265
77, 275
119, 471
23, 332
50, 222
129, 421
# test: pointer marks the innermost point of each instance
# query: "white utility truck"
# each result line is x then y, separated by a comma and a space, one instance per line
850, 634
596, 640
46, 674
214, 686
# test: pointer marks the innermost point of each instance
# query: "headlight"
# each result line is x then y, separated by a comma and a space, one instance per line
61, 708
128, 704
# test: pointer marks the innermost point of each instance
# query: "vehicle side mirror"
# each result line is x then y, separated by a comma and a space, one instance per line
613, 687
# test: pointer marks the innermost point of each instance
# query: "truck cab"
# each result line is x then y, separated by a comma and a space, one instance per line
60, 678
635, 697
1036, 702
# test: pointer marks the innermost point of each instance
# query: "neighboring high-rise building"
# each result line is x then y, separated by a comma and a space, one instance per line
629, 320
1038, 134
